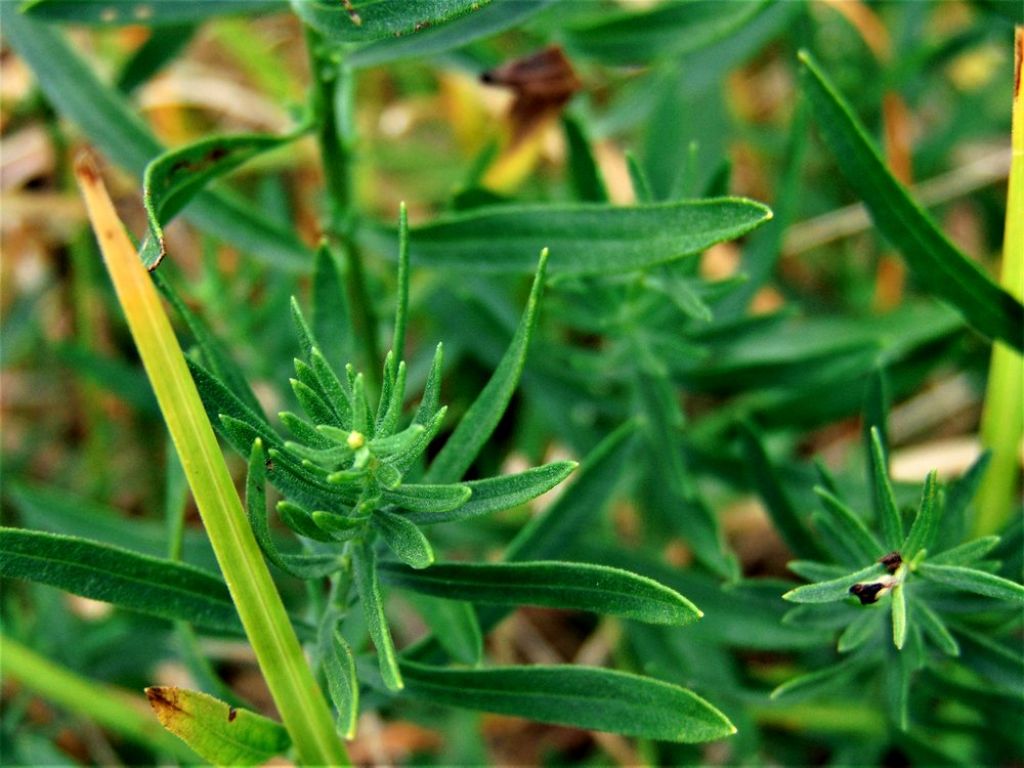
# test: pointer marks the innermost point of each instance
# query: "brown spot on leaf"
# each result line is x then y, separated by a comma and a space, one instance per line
232, 714
85, 168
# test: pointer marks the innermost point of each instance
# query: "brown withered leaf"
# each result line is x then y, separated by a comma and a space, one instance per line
542, 82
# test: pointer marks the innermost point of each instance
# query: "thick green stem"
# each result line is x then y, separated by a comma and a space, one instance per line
331, 99
292, 686
1002, 422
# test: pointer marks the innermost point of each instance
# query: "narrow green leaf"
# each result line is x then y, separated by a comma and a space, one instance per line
935, 628
581, 697
889, 513
851, 527
175, 177
584, 238
342, 684
338, 527
967, 552
971, 580
331, 315
780, 508
483, 415
360, 21
453, 623
299, 566
584, 175
897, 690
499, 493
578, 586
219, 400
899, 616
814, 571
959, 495
364, 566
114, 126
926, 524
146, 12
670, 30
935, 262
164, 588
858, 631
402, 302
154, 54
638, 178
489, 20
217, 731
404, 538
836, 589
875, 413
823, 680
429, 405
429, 499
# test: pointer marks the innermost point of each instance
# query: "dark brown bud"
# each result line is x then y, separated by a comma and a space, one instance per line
867, 593
891, 561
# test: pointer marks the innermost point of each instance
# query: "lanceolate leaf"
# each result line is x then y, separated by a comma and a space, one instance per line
497, 493
489, 20
899, 616
836, 589
147, 12
429, 499
967, 552
823, 679
885, 501
453, 623
584, 238
175, 177
218, 732
340, 671
114, 127
364, 566
164, 588
971, 580
922, 532
852, 529
579, 586
404, 538
365, 20
483, 415
672, 29
935, 262
581, 697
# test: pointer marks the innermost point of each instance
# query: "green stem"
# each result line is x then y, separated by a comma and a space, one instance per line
118, 710
292, 686
1002, 421
331, 101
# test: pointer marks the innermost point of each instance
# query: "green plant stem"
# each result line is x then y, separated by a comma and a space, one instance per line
118, 710
298, 698
1002, 422
331, 101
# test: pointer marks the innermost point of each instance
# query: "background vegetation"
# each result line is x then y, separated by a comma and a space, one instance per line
767, 391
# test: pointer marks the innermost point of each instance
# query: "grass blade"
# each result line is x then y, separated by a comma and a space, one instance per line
579, 586
935, 262
298, 697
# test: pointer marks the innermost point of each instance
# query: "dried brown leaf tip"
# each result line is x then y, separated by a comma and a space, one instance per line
542, 83
869, 593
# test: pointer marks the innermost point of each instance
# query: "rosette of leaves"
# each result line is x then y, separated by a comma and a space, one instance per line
358, 492
918, 610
